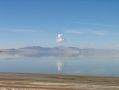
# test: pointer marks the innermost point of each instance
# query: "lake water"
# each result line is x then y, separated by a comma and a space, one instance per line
88, 65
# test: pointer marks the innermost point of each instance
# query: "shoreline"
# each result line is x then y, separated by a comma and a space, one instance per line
37, 81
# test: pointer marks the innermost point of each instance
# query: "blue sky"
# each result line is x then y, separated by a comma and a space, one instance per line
84, 23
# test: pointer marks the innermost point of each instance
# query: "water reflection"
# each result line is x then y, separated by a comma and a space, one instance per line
96, 66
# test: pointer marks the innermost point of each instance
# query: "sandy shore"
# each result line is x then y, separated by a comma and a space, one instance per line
28, 81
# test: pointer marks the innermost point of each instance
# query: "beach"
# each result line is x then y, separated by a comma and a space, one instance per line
35, 81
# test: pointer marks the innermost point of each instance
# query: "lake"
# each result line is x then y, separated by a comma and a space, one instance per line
81, 65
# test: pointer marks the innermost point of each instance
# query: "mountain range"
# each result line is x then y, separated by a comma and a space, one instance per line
37, 51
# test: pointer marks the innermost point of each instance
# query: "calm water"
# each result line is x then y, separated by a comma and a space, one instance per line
95, 66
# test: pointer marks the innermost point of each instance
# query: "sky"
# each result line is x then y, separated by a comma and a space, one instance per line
83, 23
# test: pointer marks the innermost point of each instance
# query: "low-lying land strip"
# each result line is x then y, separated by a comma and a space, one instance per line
29, 81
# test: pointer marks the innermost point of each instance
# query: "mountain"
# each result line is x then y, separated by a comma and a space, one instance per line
37, 51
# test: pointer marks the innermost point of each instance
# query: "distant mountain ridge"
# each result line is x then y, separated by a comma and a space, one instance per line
38, 51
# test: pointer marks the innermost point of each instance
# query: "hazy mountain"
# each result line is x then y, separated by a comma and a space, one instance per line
37, 51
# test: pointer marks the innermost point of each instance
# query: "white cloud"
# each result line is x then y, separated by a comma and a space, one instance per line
74, 32
96, 24
60, 38
20, 30
98, 33
25, 30
88, 32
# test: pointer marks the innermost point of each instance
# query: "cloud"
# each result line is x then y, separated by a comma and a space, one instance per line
98, 33
24, 30
88, 32
20, 30
74, 32
96, 24
60, 38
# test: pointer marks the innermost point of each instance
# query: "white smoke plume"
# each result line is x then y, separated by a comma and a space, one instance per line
60, 38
